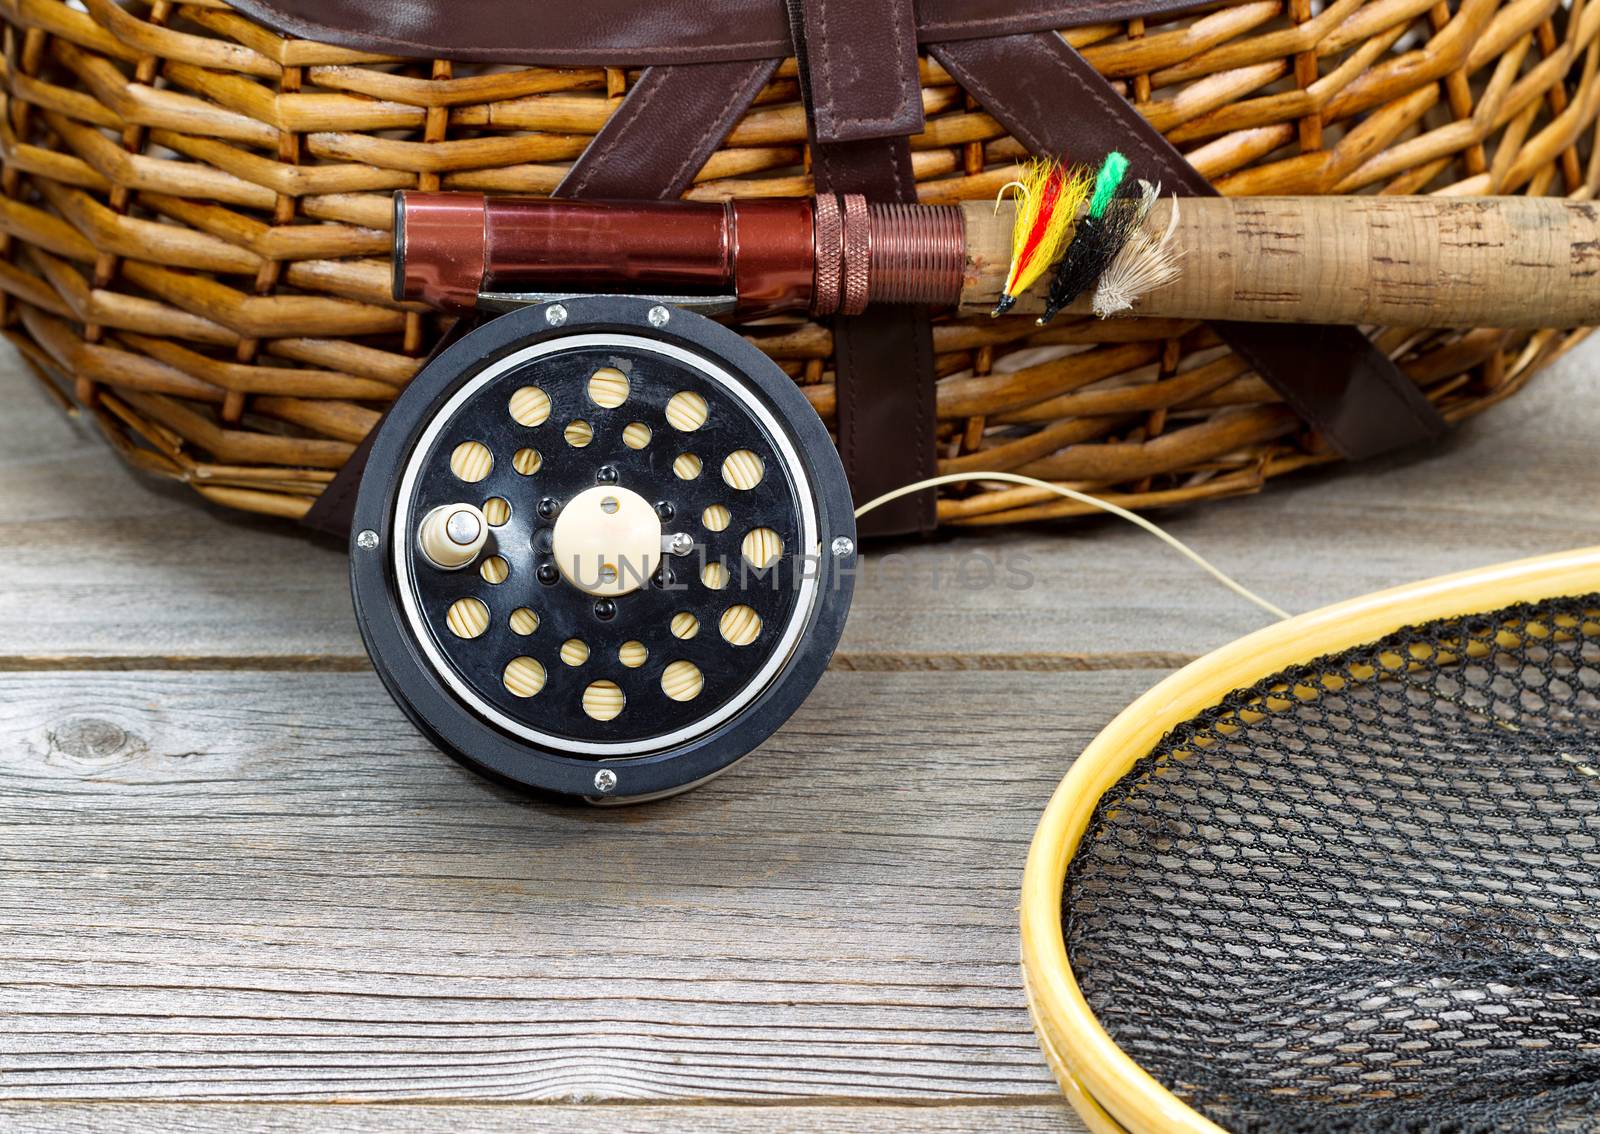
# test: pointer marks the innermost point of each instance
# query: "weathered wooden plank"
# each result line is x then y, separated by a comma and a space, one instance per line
102, 561
262, 886
100, 564
1036, 1117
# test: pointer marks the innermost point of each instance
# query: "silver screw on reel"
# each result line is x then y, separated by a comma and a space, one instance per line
604, 557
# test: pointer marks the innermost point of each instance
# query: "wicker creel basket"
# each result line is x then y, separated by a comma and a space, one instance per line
196, 211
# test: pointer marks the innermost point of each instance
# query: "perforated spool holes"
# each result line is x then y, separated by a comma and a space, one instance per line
686, 411
714, 575
530, 406
739, 625
523, 677
603, 700
467, 617
687, 466
523, 621
539, 738
743, 470
716, 518
636, 435
496, 509
761, 548
685, 625
608, 387
574, 651
471, 461
527, 461
578, 433
682, 681
494, 570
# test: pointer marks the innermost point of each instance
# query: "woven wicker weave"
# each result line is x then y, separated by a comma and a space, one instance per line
196, 212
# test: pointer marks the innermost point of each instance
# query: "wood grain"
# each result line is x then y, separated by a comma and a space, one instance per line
267, 887
240, 892
108, 568
1045, 1116
239, 888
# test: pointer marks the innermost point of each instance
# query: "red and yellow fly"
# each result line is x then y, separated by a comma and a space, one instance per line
1049, 197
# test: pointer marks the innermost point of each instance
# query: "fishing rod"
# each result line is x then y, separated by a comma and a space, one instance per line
1511, 262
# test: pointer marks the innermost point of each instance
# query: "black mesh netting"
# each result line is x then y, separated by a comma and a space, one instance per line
1364, 894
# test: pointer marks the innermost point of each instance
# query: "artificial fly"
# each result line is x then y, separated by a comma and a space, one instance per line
1098, 238
1050, 197
1145, 263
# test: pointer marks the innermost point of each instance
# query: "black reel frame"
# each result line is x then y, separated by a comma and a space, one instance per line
413, 679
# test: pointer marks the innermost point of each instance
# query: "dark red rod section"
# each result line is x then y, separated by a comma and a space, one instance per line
824, 255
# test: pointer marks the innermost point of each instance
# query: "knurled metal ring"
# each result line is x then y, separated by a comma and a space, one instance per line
829, 254
857, 252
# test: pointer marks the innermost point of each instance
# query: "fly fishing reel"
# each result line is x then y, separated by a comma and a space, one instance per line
603, 547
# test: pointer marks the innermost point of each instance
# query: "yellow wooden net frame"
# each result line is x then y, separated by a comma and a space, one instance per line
1106, 1087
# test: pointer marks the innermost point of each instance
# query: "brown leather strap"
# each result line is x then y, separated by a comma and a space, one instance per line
861, 70
883, 361
883, 358
332, 512
671, 122
1044, 93
632, 33
667, 128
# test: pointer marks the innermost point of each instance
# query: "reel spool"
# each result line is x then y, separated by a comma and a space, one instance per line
602, 547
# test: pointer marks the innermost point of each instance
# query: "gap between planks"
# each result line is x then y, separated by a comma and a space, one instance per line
814, 1103
863, 662
257, 885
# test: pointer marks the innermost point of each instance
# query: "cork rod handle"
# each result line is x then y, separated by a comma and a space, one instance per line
1515, 262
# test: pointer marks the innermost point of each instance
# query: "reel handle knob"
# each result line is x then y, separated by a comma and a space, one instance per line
453, 535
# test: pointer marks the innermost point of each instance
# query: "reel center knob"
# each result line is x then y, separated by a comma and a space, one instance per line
607, 540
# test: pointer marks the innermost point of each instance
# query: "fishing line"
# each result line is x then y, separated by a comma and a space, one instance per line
1134, 518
